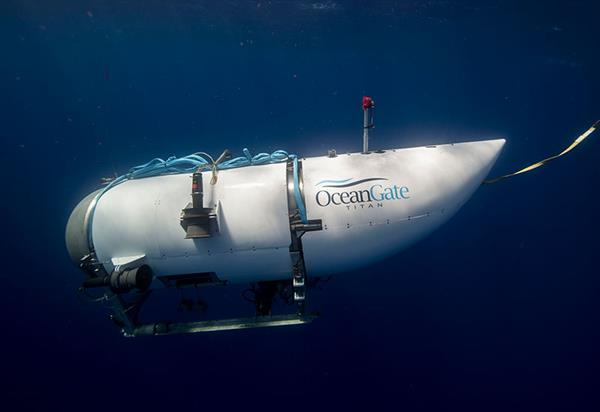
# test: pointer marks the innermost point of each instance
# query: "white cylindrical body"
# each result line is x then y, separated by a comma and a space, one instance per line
414, 191
142, 217
371, 206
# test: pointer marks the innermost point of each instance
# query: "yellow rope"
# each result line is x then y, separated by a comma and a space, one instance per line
543, 162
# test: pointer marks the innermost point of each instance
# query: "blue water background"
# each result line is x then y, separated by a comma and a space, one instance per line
497, 310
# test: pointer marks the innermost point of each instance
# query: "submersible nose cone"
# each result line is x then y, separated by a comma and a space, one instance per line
76, 233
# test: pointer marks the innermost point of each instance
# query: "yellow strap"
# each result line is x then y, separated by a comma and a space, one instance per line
543, 162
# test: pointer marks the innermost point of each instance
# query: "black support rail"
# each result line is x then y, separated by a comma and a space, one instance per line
167, 328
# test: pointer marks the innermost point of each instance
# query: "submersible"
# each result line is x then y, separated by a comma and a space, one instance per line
277, 222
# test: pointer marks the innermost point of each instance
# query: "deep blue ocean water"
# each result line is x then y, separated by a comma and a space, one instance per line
497, 310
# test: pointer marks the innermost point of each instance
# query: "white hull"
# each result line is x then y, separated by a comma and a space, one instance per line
406, 194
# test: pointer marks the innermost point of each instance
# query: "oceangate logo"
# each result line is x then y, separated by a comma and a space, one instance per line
373, 196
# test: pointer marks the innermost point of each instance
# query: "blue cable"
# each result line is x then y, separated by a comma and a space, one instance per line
193, 162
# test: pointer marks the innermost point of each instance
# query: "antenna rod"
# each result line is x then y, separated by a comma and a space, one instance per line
368, 105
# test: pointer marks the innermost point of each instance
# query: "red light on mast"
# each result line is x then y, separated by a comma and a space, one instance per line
367, 103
